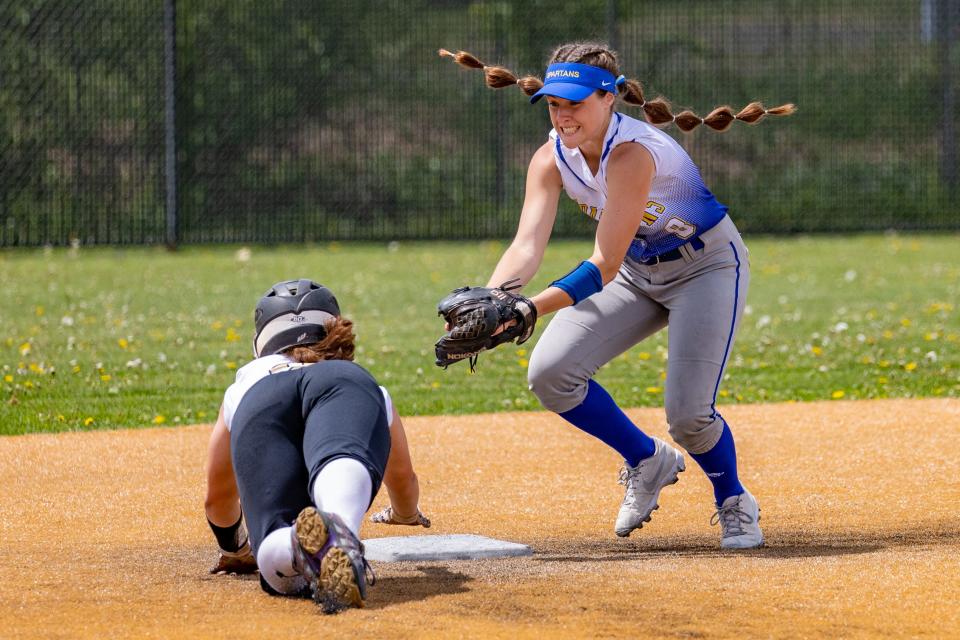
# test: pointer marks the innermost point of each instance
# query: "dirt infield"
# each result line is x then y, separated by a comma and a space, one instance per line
103, 535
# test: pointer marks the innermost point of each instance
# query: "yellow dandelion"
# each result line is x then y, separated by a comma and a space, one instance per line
887, 334
123, 344
232, 336
87, 421
643, 355
61, 418
523, 362
839, 393
76, 368
816, 350
882, 380
217, 325
521, 352
930, 336
28, 384
910, 366
653, 389
866, 359
230, 365
106, 377
883, 364
39, 311
158, 419
25, 348
8, 378
35, 368
201, 414
435, 384
906, 322
723, 393
944, 306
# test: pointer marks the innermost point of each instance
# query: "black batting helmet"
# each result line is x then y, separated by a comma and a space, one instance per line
292, 313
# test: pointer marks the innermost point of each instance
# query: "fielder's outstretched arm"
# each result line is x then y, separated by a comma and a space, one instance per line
522, 258
629, 174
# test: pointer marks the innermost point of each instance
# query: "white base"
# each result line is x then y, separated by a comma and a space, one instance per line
458, 546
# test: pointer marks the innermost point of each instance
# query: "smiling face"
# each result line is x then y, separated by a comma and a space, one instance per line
581, 124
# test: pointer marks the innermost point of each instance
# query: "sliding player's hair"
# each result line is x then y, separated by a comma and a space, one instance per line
337, 345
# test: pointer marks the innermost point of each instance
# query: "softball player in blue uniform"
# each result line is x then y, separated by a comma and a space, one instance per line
302, 443
666, 254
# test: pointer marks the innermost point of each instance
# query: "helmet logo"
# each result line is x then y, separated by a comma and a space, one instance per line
301, 337
298, 319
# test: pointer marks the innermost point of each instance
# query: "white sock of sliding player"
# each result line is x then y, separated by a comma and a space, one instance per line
275, 561
343, 487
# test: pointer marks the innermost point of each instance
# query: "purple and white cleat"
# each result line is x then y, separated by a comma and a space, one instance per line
331, 558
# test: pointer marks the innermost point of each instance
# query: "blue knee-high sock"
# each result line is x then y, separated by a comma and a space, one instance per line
720, 465
600, 416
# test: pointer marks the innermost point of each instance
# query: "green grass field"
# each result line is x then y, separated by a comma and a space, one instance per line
104, 338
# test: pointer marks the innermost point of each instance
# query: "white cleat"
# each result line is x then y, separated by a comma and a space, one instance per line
739, 518
644, 483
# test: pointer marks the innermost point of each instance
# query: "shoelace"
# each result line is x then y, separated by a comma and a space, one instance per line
731, 519
629, 478
627, 475
368, 573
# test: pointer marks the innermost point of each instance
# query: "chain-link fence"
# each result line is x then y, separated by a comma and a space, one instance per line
310, 121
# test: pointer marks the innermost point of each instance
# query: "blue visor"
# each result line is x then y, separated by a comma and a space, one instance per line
574, 81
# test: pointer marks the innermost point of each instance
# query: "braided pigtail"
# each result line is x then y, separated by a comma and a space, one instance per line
657, 111
496, 77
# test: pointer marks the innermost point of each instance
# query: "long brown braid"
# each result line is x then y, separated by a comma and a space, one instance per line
656, 111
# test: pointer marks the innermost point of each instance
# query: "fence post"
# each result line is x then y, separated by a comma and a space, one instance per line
948, 25
501, 128
612, 27
169, 125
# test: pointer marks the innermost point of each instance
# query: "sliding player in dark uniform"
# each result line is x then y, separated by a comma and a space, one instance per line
304, 439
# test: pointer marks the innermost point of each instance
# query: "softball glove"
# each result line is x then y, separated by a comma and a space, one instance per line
473, 315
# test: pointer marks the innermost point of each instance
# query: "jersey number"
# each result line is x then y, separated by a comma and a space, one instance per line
679, 228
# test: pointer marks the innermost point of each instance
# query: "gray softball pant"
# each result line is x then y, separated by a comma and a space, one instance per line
700, 297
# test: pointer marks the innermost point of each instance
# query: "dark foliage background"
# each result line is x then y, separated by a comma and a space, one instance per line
308, 121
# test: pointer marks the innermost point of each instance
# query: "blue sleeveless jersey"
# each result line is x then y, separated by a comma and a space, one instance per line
679, 206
